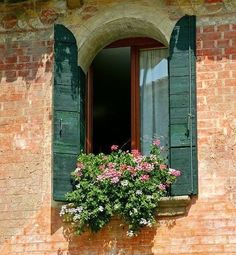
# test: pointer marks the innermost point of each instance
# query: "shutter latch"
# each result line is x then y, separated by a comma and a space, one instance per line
189, 118
60, 132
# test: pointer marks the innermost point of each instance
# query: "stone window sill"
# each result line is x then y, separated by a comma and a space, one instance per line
173, 206
168, 206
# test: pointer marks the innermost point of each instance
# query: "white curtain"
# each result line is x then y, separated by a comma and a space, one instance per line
154, 98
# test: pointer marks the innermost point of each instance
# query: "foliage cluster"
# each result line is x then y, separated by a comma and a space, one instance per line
125, 183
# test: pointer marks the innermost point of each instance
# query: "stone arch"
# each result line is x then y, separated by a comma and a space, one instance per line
119, 22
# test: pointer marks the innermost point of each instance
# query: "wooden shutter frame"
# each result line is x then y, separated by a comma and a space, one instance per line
175, 150
68, 106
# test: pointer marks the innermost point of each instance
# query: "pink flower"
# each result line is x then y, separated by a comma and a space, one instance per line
144, 177
138, 159
135, 153
110, 174
114, 147
132, 170
162, 167
174, 172
102, 167
78, 174
115, 180
162, 186
111, 165
145, 166
123, 167
156, 142
80, 165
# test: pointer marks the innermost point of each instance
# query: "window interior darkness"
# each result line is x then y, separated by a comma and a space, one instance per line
111, 100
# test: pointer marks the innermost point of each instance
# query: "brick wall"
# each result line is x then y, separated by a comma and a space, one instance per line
25, 130
29, 221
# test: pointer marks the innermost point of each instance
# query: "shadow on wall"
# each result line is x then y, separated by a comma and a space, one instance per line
28, 60
112, 240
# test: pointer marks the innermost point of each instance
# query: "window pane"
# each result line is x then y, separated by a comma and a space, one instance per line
154, 101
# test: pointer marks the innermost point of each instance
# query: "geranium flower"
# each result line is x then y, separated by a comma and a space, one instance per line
144, 177
102, 167
123, 167
156, 142
80, 165
162, 167
174, 172
135, 153
162, 186
114, 147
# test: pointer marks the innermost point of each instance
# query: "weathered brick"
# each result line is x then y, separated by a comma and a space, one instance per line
32, 226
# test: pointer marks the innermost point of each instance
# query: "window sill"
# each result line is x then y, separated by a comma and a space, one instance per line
173, 206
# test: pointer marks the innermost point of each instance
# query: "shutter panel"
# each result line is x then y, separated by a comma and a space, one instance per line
68, 140
182, 93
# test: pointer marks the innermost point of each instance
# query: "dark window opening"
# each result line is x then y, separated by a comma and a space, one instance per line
111, 100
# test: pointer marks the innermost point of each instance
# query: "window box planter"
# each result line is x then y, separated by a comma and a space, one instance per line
127, 184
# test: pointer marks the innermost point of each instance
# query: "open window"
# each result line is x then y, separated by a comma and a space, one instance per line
162, 93
127, 96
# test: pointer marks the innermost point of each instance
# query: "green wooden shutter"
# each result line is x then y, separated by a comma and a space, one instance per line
182, 93
68, 140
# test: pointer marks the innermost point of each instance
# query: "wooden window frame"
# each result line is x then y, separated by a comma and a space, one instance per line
136, 44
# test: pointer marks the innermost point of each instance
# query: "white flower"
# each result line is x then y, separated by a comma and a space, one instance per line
76, 217
101, 208
124, 183
79, 209
143, 221
153, 157
139, 192
135, 210
63, 210
130, 233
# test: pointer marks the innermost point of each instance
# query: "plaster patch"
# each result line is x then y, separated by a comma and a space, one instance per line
20, 143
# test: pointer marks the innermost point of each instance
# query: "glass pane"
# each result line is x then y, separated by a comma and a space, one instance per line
154, 99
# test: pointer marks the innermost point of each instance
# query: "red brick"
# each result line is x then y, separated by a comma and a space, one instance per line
212, 67
8, 67
230, 50
223, 43
209, 52
223, 74
233, 26
230, 82
24, 73
10, 74
207, 29
207, 76
208, 44
229, 35
212, 36
223, 28
24, 58
10, 60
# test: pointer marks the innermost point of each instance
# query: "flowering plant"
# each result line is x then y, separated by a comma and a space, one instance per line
124, 183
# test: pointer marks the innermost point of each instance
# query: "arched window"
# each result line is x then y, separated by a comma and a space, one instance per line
69, 107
